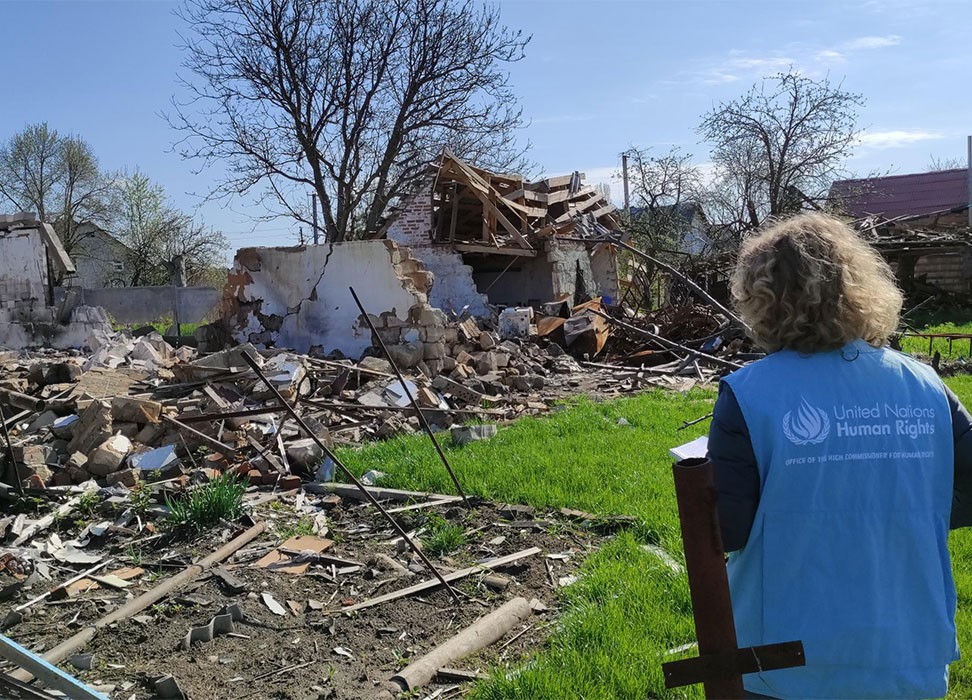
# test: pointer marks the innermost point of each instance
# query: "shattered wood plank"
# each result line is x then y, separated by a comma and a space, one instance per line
279, 560
230, 583
433, 583
490, 250
484, 192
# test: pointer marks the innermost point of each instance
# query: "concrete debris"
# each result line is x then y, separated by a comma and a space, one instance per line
472, 433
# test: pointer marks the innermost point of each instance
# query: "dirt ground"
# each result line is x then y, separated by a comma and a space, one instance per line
314, 650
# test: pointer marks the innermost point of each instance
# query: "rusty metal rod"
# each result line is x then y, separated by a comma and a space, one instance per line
347, 472
400, 409
408, 392
222, 446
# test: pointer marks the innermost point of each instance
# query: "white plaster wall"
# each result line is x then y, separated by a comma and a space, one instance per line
454, 288
318, 308
604, 266
23, 268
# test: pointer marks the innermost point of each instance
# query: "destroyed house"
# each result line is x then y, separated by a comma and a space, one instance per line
919, 222
937, 198
467, 241
521, 241
31, 255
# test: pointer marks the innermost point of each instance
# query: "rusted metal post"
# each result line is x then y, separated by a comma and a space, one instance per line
418, 409
720, 664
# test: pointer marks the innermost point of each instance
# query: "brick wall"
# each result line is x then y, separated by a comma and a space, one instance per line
950, 272
412, 225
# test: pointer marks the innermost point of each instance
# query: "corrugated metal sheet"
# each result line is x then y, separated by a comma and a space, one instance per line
903, 195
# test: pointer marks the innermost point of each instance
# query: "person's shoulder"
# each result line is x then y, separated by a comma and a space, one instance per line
907, 364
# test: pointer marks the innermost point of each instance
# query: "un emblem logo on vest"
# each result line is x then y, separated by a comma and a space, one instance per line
808, 425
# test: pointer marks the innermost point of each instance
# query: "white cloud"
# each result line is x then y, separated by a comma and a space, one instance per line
829, 56
871, 42
894, 138
808, 59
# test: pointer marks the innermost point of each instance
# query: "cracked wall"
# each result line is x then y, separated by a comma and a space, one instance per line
299, 297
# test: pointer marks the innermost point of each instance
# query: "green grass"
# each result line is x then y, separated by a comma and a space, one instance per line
441, 536
627, 609
947, 321
219, 499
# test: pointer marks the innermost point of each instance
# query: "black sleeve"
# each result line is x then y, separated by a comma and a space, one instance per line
736, 475
962, 436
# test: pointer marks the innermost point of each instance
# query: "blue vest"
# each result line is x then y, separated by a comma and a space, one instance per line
848, 551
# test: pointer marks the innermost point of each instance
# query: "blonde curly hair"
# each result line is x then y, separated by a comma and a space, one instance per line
809, 283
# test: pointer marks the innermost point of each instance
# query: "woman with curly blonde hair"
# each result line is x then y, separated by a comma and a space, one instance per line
840, 465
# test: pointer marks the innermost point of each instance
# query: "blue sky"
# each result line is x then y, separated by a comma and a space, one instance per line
599, 77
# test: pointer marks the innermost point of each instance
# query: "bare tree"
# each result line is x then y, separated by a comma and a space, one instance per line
345, 99
57, 177
778, 148
936, 164
156, 234
662, 187
84, 191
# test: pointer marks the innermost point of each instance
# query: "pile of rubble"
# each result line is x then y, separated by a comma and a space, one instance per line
138, 406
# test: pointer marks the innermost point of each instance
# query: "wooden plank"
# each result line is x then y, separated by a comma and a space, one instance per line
433, 583
604, 210
455, 211
559, 181
494, 250
769, 657
58, 254
581, 207
485, 193
505, 223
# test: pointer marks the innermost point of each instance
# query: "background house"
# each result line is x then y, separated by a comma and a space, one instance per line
938, 198
919, 222
100, 259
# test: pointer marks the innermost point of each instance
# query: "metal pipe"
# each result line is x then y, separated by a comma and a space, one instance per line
22, 401
347, 472
408, 392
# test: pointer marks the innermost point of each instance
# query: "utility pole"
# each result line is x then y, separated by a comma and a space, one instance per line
969, 178
624, 175
314, 207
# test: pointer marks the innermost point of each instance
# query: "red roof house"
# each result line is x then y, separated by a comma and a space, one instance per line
914, 195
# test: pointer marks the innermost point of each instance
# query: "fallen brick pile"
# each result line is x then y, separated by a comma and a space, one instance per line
137, 406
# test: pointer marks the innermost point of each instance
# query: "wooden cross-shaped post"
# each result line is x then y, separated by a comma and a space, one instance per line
720, 664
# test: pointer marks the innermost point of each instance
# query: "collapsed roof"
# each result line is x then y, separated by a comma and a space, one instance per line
476, 209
